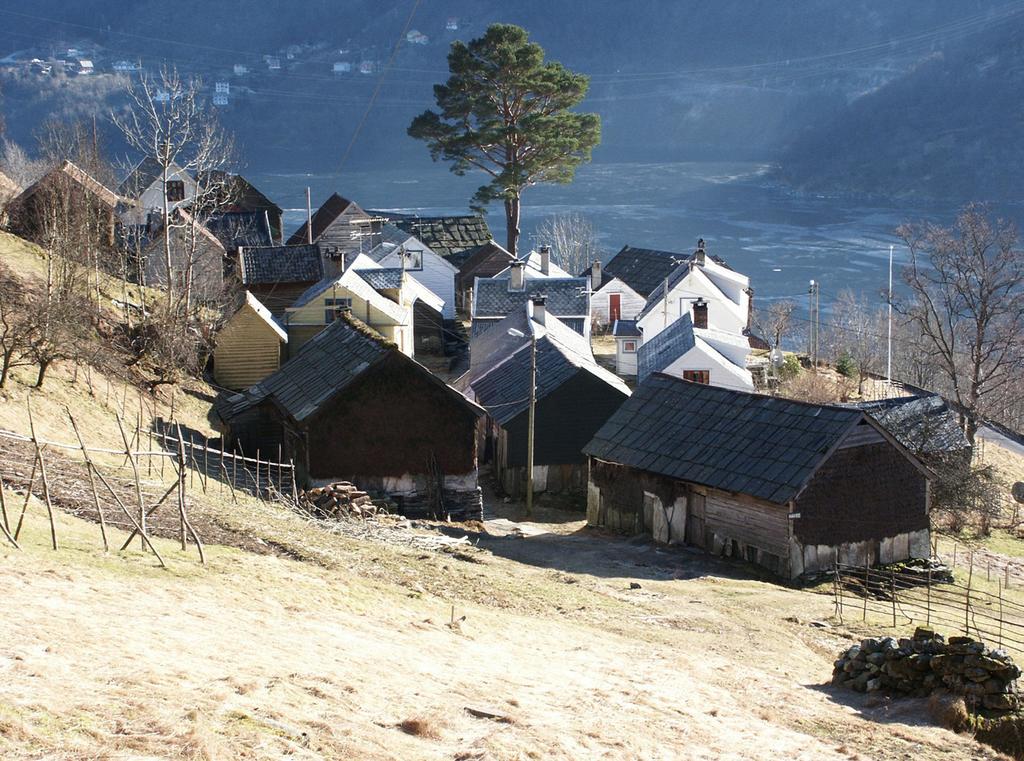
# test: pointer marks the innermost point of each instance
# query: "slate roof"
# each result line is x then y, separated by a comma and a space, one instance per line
625, 329
242, 195
281, 264
923, 424
323, 367
329, 211
145, 173
241, 228
566, 296
443, 235
383, 278
469, 259
642, 269
665, 348
763, 446
80, 176
502, 385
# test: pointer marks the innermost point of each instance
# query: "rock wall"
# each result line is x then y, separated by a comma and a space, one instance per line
986, 678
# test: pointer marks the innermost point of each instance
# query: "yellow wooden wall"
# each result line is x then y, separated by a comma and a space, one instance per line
248, 350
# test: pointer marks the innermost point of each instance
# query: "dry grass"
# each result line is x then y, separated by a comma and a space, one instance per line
420, 727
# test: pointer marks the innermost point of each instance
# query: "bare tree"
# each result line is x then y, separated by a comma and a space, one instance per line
966, 287
18, 165
572, 239
857, 332
15, 325
774, 323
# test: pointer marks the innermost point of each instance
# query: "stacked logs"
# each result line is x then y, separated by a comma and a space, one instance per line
986, 678
338, 500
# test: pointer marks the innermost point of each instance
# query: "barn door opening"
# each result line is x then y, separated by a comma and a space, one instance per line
695, 520
614, 307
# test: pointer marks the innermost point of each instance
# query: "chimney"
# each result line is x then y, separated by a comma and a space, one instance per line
750, 307
698, 255
595, 275
545, 259
334, 262
517, 280
700, 313
539, 309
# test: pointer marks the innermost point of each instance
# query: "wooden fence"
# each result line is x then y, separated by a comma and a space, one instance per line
926, 598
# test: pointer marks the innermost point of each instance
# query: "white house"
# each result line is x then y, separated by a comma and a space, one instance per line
623, 286
714, 295
240, 69
700, 355
222, 87
145, 186
627, 344
494, 298
400, 249
538, 264
342, 67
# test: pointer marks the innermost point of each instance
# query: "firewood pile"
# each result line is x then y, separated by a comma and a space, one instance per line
339, 500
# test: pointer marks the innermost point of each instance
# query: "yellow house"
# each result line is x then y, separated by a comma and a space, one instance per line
249, 346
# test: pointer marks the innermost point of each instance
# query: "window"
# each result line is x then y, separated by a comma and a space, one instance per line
629, 347
413, 259
175, 190
334, 308
698, 376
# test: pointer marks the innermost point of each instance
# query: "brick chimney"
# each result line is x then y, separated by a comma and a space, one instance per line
595, 275
545, 260
698, 255
540, 309
700, 313
517, 280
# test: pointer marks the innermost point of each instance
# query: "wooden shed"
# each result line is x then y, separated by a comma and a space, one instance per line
249, 347
790, 486
351, 406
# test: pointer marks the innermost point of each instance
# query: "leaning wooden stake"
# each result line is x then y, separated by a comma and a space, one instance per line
181, 503
128, 514
152, 509
42, 473
138, 484
92, 481
4, 525
28, 496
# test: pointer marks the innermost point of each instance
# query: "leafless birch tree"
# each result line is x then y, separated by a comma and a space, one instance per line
572, 239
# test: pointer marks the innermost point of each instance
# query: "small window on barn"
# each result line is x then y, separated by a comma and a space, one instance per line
175, 190
697, 376
334, 308
629, 347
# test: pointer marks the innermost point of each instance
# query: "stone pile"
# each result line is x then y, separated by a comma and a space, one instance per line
338, 500
986, 678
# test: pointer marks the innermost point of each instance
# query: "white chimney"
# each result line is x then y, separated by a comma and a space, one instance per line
517, 279
539, 309
595, 275
545, 260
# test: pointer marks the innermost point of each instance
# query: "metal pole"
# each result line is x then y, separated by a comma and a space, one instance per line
888, 362
530, 423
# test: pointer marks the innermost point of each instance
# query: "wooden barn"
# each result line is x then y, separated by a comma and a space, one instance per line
343, 231
249, 346
483, 261
790, 486
351, 406
575, 396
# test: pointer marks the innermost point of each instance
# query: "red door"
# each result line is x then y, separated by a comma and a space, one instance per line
614, 307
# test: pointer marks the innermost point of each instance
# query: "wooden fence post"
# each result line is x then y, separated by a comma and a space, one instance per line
295, 486
866, 592
892, 589
138, 485
4, 525
92, 480
28, 496
182, 504
839, 589
967, 600
206, 461
1000, 587
1007, 574
42, 473
928, 608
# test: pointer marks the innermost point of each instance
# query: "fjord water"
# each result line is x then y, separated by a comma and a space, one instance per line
780, 238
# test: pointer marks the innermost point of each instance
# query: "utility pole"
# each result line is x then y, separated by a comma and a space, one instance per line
888, 362
812, 307
530, 421
309, 217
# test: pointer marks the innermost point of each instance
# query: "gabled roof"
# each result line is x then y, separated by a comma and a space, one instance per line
241, 228
240, 194
391, 278
682, 272
625, 329
923, 424
384, 278
329, 211
264, 314
500, 380
739, 442
642, 269
566, 297
265, 265
467, 259
443, 235
393, 239
145, 173
351, 280
532, 267
665, 348
323, 367
79, 176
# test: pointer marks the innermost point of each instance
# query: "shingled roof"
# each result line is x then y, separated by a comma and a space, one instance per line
281, 264
235, 229
923, 424
494, 298
383, 278
763, 446
665, 348
144, 174
329, 211
642, 269
324, 367
442, 235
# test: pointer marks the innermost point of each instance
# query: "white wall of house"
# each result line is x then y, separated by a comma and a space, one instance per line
152, 198
431, 270
724, 313
625, 355
722, 371
631, 303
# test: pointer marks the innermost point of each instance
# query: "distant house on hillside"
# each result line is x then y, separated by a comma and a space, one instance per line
351, 406
126, 66
701, 355
575, 396
495, 298
483, 261
249, 346
342, 67
793, 487
279, 275
69, 188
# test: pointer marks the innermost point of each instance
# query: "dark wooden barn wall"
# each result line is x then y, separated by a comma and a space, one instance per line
862, 493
